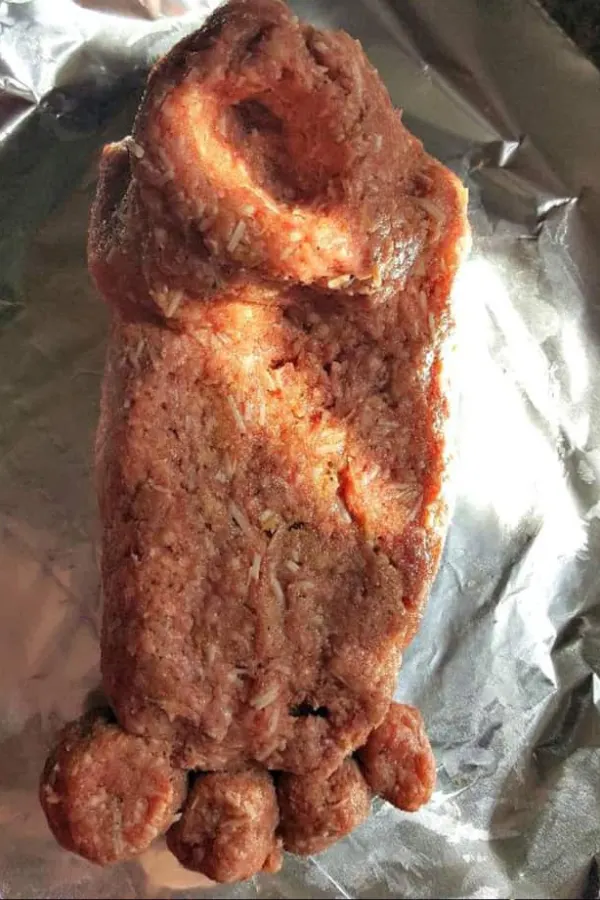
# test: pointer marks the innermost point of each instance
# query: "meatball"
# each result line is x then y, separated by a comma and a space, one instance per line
227, 830
397, 760
316, 811
108, 794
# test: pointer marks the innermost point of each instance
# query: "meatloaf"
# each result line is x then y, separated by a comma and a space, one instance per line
277, 252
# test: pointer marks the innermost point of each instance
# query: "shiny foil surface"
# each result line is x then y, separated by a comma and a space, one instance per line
505, 666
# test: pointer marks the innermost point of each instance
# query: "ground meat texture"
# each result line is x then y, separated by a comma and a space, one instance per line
271, 452
107, 794
227, 829
277, 253
317, 811
397, 760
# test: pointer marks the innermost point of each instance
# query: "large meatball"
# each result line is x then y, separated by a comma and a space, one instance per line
107, 794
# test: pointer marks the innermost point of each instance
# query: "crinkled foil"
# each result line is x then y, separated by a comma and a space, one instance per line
505, 667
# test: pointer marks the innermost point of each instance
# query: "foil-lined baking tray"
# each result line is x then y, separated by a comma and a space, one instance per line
505, 667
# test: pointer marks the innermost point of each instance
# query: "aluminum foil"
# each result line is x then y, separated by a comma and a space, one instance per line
506, 665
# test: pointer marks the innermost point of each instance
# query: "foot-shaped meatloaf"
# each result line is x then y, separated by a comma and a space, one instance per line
277, 252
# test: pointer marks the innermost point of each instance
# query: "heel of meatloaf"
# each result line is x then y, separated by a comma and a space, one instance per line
265, 149
107, 794
220, 143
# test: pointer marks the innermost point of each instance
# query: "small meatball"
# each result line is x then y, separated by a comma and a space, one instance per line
227, 830
107, 794
397, 760
316, 812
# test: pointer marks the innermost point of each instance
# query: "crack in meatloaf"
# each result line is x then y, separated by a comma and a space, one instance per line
277, 252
